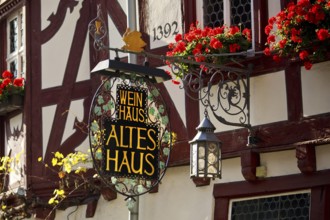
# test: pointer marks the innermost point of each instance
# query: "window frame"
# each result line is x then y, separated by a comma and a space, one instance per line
231, 201
18, 55
259, 11
318, 183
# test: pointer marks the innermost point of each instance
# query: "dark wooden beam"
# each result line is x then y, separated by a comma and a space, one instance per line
221, 209
189, 13
294, 91
250, 160
108, 194
91, 208
306, 158
44, 213
155, 189
320, 202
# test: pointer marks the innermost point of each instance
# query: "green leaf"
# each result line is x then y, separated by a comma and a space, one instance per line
155, 92
165, 120
166, 151
100, 100
98, 110
161, 165
108, 106
95, 126
140, 189
98, 155
113, 180
166, 137
107, 85
93, 140
161, 109
150, 97
152, 111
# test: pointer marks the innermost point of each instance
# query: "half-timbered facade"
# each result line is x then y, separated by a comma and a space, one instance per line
287, 170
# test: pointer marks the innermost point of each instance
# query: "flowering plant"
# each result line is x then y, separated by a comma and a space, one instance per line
301, 30
10, 86
201, 45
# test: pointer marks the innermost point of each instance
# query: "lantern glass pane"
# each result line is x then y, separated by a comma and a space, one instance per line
213, 159
201, 158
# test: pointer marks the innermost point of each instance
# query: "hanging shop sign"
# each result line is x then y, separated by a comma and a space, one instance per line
131, 143
129, 129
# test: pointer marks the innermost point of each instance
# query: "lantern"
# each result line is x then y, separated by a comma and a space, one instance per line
205, 152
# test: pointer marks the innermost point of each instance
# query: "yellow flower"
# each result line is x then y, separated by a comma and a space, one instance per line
59, 192
59, 155
39, 159
67, 167
51, 201
54, 161
81, 170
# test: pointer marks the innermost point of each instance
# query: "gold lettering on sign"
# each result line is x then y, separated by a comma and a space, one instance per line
131, 145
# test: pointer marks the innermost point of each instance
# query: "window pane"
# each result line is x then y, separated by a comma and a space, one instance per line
13, 68
213, 13
13, 35
241, 13
289, 207
22, 29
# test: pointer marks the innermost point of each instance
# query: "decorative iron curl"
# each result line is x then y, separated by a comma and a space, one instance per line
97, 29
226, 92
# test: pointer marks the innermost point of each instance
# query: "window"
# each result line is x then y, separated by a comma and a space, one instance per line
15, 41
229, 12
286, 206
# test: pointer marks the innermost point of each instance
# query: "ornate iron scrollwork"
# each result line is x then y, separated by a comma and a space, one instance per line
224, 90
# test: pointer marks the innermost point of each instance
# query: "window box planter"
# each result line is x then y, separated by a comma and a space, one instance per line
13, 103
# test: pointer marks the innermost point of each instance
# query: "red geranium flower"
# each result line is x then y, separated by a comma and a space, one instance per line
267, 51
308, 65
322, 34
233, 30
298, 26
178, 37
199, 45
7, 74
234, 48
215, 43
303, 55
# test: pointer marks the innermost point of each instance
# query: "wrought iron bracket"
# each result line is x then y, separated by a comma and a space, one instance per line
225, 91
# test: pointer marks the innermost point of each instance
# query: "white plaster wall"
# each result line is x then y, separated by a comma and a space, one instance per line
47, 121
268, 102
280, 163
158, 17
178, 96
322, 157
55, 52
178, 198
76, 111
316, 89
115, 209
268, 98
115, 39
17, 145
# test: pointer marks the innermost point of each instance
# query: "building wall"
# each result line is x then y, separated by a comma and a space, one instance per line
178, 198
